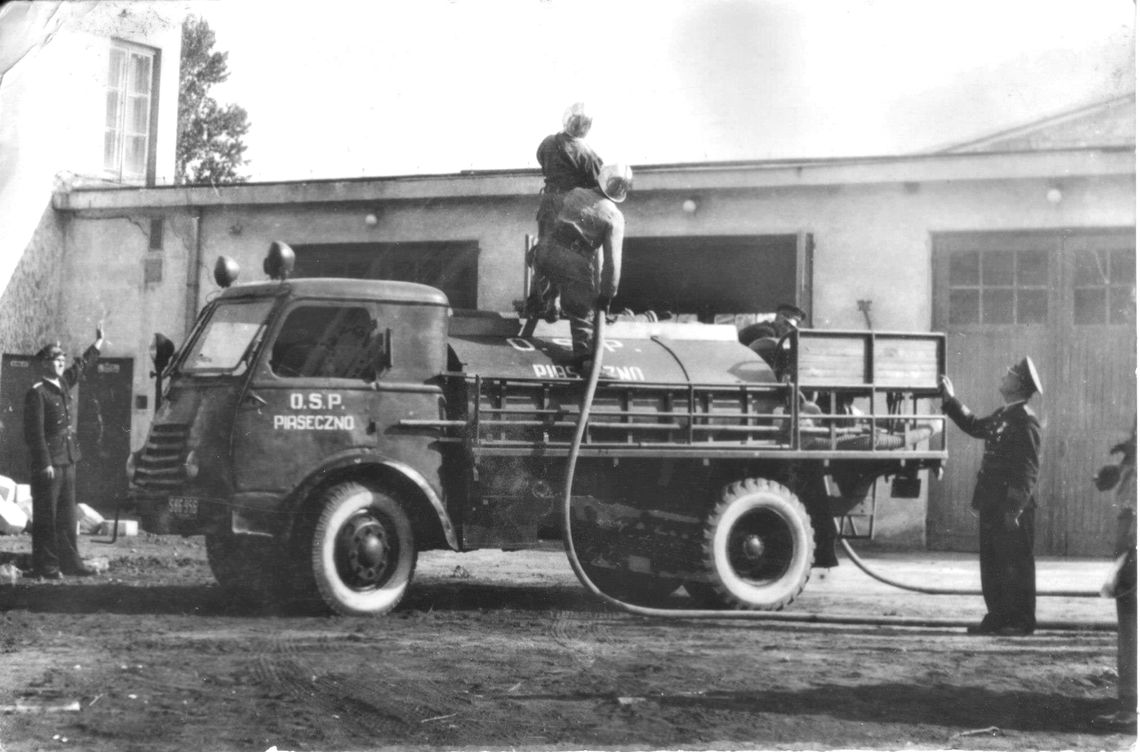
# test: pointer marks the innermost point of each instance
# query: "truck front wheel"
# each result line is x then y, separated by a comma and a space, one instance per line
362, 553
757, 548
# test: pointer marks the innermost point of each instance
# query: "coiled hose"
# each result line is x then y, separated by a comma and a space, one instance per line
782, 616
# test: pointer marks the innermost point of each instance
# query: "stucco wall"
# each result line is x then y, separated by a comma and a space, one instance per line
499, 227
103, 276
30, 312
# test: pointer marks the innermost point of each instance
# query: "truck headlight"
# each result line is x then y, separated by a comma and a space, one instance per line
190, 466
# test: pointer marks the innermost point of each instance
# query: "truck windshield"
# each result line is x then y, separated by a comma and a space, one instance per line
228, 339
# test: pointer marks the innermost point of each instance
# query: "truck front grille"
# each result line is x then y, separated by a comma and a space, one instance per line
160, 464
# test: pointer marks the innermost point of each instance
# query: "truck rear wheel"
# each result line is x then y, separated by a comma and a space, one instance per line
757, 548
362, 551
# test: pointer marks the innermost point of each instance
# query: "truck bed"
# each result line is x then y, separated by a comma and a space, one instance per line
719, 399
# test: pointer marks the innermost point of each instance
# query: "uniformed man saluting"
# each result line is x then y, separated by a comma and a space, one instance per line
50, 434
1003, 498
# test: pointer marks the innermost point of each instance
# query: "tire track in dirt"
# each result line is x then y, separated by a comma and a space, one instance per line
370, 705
584, 634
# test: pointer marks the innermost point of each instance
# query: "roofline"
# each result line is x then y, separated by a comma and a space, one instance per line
678, 177
1035, 125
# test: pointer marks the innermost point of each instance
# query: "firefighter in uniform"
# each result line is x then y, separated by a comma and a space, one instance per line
767, 338
567, 163
49, 431
588, 225
1122, 585
1003, 499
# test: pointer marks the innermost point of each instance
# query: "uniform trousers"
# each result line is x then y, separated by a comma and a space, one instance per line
576, 277
55, 543
1009, 573
1126, 649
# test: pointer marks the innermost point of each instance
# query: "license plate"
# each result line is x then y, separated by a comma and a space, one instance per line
184, 506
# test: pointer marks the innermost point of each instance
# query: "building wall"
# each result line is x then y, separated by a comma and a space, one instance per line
52, 118
872, 242
30, 305
105, 269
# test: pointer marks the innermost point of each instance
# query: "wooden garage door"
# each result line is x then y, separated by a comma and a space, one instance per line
1067, 299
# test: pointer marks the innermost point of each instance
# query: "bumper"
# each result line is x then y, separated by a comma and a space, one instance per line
189, 514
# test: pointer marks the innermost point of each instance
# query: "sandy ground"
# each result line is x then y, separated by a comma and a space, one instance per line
504, 651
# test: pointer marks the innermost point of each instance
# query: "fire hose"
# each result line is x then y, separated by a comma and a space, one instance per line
769, 616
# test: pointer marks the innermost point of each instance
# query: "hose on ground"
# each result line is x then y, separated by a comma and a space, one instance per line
769, 616
863, 566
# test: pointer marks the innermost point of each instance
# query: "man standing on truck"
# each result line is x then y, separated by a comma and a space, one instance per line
1003, 498
567, 162
587, 222
49, 431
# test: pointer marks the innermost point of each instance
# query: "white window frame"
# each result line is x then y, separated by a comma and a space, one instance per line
124, 136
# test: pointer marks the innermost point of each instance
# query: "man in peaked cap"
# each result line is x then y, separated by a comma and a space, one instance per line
49, 431
766, 338
1003, 499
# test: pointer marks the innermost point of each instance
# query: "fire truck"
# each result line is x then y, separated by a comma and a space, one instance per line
321, 433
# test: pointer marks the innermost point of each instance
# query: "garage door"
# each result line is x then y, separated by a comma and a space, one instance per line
450, 266
710, 275
1067, 299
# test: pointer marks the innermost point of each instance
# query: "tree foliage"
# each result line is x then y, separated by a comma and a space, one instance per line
210, 146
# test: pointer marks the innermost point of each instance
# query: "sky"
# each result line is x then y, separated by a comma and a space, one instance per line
351, 88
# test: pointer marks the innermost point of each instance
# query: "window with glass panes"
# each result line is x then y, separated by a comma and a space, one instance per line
999, 287
1104, 286
126, 134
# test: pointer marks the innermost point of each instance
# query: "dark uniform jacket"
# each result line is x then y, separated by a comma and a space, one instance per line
1011, 459
567, 163
49, 425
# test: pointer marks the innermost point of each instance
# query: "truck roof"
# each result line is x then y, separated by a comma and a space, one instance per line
334, 288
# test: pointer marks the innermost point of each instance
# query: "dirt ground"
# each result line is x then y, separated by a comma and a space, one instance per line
501, 651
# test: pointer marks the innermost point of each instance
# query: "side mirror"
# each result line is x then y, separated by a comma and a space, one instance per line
161, 351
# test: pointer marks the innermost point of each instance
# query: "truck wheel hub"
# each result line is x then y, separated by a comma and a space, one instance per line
753, 547
364, 552
760, 547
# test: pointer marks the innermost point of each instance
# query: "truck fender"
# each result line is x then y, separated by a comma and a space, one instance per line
432, 497
409, 473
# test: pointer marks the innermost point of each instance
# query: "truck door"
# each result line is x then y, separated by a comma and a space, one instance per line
309, 396
324, 386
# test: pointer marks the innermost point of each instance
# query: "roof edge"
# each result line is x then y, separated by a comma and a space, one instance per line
653, 177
